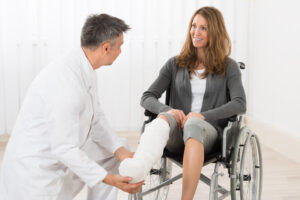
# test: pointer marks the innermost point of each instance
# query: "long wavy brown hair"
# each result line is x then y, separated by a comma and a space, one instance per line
217, 50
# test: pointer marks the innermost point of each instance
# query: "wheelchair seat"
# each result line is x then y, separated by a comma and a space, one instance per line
178, 158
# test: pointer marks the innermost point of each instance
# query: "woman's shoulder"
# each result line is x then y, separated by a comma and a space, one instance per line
232, 67
172, 61
170, 64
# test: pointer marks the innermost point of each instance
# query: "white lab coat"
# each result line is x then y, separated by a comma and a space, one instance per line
59, 120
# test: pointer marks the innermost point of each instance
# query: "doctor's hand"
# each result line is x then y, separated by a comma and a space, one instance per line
122, 153
122, 183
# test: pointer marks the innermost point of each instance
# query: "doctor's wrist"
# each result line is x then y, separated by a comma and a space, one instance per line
109, 179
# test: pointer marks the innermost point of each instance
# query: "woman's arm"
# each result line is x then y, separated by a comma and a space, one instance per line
149, 100
237, 104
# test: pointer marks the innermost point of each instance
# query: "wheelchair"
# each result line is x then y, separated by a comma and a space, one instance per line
237, 151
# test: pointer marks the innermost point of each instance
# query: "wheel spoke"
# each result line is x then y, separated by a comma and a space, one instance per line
246, 167
250, 171
159, 173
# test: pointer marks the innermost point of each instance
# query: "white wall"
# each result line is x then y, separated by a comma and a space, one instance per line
274, 67
273, 74
33, 32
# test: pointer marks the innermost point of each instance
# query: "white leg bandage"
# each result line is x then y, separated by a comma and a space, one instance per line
149, 151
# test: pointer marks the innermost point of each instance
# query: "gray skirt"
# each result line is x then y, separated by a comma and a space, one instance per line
195, 128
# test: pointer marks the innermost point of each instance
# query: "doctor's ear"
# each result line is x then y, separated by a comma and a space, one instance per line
106, 47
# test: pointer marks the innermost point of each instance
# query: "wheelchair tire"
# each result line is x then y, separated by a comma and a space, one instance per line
246, 167
159, 173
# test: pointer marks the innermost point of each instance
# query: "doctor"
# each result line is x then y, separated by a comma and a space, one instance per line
61, 140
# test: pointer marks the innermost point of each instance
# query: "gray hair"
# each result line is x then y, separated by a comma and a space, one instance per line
100, 28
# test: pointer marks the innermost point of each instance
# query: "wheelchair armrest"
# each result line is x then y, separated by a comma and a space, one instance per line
151, 116
242, 65
148, 113
230, 134
232, 118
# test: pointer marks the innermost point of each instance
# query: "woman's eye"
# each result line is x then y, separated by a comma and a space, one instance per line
194, 26
203, 28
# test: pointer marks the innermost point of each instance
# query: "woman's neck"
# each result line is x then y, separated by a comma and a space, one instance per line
200, 59
199, 66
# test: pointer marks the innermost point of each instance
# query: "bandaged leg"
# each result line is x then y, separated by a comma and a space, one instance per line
149, 151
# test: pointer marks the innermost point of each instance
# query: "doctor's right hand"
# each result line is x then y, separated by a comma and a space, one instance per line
122, 183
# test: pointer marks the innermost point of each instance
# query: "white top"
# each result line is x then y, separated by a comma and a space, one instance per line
198, 89
60, 113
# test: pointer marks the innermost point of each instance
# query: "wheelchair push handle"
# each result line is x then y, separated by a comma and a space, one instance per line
242, 65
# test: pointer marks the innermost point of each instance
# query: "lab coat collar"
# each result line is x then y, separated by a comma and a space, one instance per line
89, 73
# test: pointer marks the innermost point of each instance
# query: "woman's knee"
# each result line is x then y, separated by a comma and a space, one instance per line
193, 124
200, 130
194, 128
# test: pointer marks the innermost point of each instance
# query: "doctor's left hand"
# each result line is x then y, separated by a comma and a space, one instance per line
122, 183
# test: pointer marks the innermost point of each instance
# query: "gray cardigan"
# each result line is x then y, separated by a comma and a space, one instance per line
223, 97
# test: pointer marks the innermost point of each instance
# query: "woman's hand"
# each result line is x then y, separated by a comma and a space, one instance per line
191, 114
122, 153
178, 115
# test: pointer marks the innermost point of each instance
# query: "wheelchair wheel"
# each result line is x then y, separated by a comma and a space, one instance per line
246, 169
159, 173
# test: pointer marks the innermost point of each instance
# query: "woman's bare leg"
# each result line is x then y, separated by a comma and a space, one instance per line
193, 159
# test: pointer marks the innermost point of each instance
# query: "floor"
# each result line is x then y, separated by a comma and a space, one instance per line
281, 175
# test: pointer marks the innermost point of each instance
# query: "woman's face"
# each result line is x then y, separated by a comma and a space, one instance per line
198, 32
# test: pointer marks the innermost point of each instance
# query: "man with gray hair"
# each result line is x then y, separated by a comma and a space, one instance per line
61, 140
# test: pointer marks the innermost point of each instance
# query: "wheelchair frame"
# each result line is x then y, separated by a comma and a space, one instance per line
233, 156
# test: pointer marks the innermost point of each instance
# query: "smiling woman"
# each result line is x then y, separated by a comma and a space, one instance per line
208, 34
199, 106
199, 32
